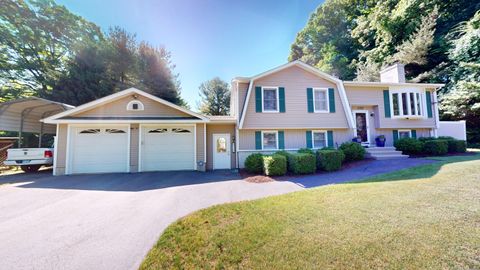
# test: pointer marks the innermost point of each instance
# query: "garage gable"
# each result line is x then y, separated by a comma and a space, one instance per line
129, 104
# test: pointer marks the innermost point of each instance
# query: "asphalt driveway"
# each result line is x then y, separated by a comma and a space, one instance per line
107, 221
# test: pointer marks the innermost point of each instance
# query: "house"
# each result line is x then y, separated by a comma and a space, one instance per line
290, 107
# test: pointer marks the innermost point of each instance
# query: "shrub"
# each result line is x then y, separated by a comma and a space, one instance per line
353, 151
424, 139
306, 151
435, 147
409, 146
302, 163
274, 165
254, 163
457, 146
285, 154
330, 160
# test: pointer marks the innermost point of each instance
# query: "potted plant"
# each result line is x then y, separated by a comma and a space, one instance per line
380, 141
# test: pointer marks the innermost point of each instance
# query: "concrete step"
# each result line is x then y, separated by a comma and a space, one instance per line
384, 152
380, 149
389, 157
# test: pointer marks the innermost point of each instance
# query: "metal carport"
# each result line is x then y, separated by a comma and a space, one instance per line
24, 115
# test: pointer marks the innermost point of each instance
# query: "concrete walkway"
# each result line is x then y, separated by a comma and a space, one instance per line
362, 170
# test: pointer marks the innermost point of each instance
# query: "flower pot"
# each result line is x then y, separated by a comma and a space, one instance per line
380, 141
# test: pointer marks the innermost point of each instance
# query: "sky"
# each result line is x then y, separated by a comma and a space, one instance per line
207, 38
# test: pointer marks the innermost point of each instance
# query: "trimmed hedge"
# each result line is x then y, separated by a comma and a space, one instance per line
330, 160
409, 146
274, 165
457, 146
435, 147
302, 163
254, 163
353, 151
306, 151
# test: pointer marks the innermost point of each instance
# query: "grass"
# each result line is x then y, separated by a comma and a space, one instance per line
428, 218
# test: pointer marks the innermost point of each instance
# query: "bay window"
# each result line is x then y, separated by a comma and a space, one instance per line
406, 103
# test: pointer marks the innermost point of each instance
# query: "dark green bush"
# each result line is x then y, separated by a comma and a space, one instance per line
330, 160
424, 139
457, 146
302, 163
275, 165
353, 151
409, 146
435, 147
254, 163
285, 154
306, 151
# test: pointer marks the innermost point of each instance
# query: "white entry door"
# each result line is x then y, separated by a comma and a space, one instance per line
167, 148
221, 151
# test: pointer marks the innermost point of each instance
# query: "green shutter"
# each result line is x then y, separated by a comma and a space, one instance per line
386, 103
258, 140
414, 133
331, 99
310, 99
330, 138
308, 136
395, 135
281, 97
281, 140
258, 99
429, 104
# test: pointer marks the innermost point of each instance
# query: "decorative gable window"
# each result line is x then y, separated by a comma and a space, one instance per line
320, 100
270, 99
270, 140
135, 105
407, 103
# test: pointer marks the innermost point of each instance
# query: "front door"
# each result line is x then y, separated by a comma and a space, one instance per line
361, 120
221, 151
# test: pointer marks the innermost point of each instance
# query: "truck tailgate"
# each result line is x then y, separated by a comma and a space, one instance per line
26, 153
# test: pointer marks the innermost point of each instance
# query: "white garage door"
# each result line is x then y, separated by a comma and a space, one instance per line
167, 148
99, 149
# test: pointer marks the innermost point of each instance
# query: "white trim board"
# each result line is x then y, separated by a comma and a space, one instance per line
87, 106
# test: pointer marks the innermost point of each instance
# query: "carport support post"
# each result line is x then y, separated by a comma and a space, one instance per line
40, 135
20, 132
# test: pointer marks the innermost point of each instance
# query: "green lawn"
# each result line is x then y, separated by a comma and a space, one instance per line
428, 218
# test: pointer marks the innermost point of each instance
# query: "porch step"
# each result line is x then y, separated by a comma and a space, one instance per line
384, 153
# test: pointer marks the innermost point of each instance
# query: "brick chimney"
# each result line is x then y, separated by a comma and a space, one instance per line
394, 73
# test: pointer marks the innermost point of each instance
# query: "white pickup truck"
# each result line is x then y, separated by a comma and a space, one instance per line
29, 159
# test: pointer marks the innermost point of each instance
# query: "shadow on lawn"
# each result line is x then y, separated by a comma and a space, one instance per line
419, 172
130, 182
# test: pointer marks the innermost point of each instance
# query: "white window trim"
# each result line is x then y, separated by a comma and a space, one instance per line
327, 110
405, 130
277, 96
276, 138
409, 108
313, 140
141, 107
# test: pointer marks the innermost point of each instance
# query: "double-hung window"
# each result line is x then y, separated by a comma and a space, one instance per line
270, 99
269, 140
406, 103
404, 134
320, 100
319, 139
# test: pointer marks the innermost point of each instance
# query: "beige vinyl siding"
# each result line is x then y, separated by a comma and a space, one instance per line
242, 95
294, 138
119, 108
134, 142
296, 81
61, 150
200, 130
222, 129
373, 96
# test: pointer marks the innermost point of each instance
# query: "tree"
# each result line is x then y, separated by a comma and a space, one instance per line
462, 101
215, 95
156, 73
35, 41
